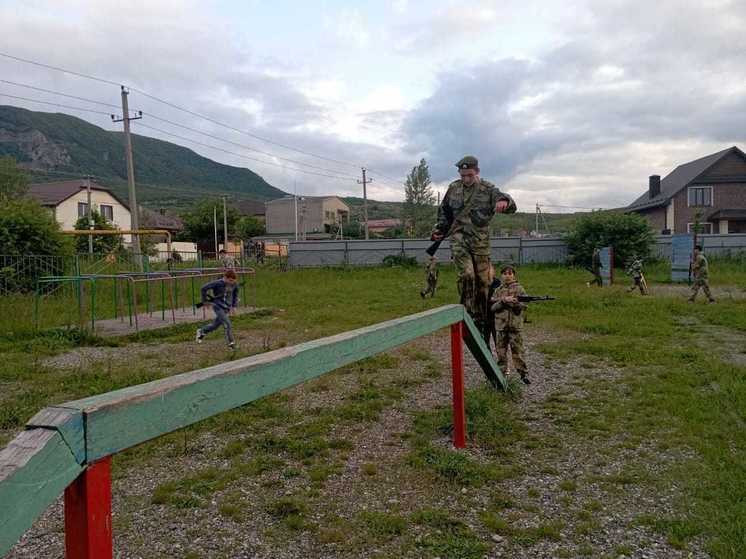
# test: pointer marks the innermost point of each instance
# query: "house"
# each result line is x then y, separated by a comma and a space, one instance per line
68, 201
150, 219
713, 187
315, 214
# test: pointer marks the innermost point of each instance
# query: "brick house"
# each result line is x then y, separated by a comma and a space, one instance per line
714, 186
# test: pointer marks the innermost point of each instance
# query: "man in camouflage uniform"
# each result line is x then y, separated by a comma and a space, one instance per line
431, 272
700, 270
634, 270
465, 213
509, 318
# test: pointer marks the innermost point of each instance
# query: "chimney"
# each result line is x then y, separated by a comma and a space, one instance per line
654, 186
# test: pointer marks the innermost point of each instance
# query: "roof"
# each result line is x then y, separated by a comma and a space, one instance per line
54, 193
679, 178
157, 220
250, 207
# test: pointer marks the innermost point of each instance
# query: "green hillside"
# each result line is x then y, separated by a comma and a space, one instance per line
169, 175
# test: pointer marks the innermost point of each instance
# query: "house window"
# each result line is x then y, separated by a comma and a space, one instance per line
704, 228
700, 196
107, 212
82, 209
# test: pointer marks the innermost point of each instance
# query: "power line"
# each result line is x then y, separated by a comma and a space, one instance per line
241, 155
178, 107
172, 123
60, 93
57, 68
243, 146
246, 133
54, 104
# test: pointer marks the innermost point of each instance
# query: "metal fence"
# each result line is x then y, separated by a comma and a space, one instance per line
515, 249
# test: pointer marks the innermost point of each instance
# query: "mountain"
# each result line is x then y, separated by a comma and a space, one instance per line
167, 175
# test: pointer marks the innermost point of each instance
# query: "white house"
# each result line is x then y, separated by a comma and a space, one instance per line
68, 200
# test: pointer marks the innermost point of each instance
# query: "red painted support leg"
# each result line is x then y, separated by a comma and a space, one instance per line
457, 367
88, 514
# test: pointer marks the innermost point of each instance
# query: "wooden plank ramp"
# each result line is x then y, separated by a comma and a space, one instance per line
61, 441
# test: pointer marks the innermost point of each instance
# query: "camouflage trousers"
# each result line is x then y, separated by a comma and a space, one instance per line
513, 340
432, 283
704, 285
473, 283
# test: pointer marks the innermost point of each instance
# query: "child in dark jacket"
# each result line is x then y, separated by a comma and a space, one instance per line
224, 298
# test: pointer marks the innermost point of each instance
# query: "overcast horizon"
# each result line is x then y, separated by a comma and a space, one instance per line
572, 104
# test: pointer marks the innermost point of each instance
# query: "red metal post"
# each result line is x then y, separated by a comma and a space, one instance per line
457, 368
88, 513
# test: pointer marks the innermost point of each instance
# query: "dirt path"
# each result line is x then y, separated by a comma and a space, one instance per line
563, 502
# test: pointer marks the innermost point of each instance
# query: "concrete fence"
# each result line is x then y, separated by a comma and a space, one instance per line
516, 249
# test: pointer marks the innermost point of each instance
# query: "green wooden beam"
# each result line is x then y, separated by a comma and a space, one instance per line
127, 417
34, 469
69, 423
482, 353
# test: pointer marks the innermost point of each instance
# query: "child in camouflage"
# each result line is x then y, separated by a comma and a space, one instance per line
509, 318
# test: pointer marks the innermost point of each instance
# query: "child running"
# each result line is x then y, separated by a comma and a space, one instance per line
223, 290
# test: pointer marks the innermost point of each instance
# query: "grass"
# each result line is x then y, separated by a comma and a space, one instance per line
675, 393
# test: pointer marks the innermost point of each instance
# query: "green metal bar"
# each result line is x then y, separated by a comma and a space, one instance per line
116, 300
243, 291
36, 305
147, 299
163, 301
129, 300
93, 306
194, 303
176, 292
80, 302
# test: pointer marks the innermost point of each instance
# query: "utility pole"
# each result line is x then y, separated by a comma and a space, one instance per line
365, 183
295, 203
537, 219
134, 210
225, 227
90, 214
215, 224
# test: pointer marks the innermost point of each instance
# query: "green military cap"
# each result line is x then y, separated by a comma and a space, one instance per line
507, 267
468, 162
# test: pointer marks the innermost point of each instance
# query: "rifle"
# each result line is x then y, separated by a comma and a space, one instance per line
532, 298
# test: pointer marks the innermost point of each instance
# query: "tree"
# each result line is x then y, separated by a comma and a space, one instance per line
419, 201
13, 181
198, 223
248, 227
26, 228
102, 244
628, 234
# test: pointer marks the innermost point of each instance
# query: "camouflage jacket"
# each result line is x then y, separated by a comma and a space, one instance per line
634, 268
508, 316
473, 227
700, 268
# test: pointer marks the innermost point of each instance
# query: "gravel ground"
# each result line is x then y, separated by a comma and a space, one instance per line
144, 530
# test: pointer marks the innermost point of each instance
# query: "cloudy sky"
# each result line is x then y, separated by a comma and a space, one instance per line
569, 103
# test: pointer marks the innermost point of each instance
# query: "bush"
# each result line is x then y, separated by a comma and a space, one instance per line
628, 233
26, 229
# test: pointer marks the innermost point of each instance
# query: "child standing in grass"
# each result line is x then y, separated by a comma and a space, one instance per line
509, 320
222, 294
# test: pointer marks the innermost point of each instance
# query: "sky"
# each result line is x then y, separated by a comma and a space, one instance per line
570, 105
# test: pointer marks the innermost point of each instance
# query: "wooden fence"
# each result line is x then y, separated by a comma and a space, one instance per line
69, 447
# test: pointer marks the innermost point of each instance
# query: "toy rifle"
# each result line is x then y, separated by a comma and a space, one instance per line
209, 299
